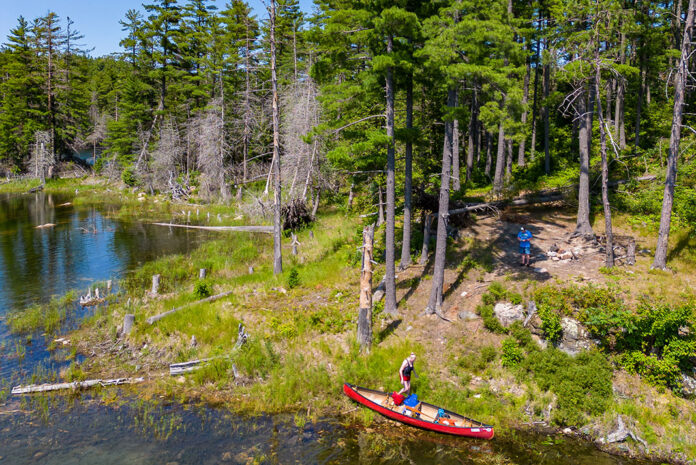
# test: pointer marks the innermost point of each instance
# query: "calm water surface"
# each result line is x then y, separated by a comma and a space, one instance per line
36, 264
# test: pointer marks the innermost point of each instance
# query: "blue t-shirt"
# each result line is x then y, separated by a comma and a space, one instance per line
524, 237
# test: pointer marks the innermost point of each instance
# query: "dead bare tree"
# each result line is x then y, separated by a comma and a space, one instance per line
277, 251
42, 161
300, 115
166, 158
208, 136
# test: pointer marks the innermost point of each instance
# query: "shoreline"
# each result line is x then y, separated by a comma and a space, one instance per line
282, 325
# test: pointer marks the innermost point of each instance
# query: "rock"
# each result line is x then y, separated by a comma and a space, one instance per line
540, 342
540, 270
575, 337
508, 313
464, 294
468, 316
618, 435
567, 431
551, 254
688, 385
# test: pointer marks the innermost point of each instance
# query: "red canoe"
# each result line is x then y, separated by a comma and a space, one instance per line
381, 403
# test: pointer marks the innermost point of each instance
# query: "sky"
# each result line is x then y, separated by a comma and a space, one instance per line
97, 20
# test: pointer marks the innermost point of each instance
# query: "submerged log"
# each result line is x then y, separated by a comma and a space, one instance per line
31, 388
212, 298
260, 229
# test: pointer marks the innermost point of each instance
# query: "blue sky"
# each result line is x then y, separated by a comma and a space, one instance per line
97, 20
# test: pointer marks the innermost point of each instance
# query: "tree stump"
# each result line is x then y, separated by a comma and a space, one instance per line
155, 284
295, 243
128, 322
251, 270
365, 312
631, 252
201, 273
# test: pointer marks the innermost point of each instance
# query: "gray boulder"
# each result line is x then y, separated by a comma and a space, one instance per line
575, 337
508, 313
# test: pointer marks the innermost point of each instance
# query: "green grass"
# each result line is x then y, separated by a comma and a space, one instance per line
48, 317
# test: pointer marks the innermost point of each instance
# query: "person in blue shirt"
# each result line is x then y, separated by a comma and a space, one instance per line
524, 236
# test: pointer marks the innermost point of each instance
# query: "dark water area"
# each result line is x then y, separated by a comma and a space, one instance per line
139, 434
85, 246
36, 264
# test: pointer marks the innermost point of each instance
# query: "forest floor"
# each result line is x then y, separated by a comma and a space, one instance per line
302, 334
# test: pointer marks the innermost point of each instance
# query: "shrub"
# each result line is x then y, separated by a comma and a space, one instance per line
582, 384
129, 177
293, 279
550, 324
512, 354
202, 289
489, 320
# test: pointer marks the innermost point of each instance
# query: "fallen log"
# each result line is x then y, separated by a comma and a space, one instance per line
36, 189
212, 298
31, 388
44, 226
260, 229
176, 369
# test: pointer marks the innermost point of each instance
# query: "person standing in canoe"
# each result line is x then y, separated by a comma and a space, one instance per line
524, 236
406, 371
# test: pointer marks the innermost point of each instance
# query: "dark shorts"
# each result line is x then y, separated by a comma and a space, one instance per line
524, 249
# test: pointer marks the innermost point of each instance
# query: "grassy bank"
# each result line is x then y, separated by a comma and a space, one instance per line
301, 327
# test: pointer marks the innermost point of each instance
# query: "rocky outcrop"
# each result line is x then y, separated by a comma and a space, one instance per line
688, 385
508, 313
575, 337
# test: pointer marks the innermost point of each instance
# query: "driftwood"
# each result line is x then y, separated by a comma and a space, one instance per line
44, 226
176, 369
31, 388
212, 298
36, 189
261, 229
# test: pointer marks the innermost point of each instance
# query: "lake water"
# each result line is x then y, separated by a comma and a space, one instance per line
36, 264
84, 246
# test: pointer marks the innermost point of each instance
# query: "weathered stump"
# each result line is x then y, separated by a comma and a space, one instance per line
294, 243
128, 322
201, 273
155, 284
365, 312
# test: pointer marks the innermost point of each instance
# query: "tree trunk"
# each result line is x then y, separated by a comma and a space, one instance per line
365, 312
639, 101
605, 164
472, 146
547, 89
435, 301
380, 217
499, 160
619, 127
277, 231
584, 227
489, 159
408, 177
247, 108
535, 106
426, 239
525, 98
456, 184
508, 159
660, 260
389, 275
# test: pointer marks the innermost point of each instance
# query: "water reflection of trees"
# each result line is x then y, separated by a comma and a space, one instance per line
84, 245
